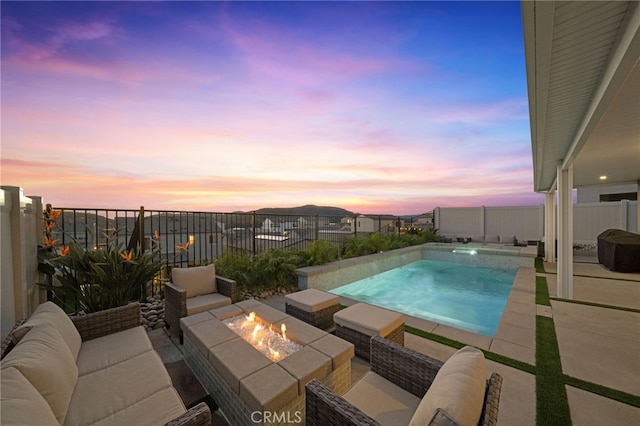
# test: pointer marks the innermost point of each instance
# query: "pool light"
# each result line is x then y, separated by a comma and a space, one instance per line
471, 252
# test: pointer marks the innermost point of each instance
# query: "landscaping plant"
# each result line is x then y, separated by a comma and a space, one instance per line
94, 280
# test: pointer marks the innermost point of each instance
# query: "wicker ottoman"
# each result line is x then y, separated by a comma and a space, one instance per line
359, 322
313, 306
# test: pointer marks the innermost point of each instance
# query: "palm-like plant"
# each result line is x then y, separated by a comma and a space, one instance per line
98, 279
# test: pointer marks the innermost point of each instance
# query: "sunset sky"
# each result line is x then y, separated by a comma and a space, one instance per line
376, 107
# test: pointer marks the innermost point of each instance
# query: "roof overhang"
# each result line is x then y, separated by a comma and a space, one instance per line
583, 77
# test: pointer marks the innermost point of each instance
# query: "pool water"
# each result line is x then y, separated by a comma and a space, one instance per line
467, 297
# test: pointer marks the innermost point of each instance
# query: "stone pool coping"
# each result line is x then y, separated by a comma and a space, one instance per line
336, 274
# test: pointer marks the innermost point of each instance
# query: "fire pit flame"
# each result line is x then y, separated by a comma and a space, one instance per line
272, 344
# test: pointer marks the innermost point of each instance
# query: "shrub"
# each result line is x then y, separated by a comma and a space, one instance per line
274, 270
270, 270
94, 280
320, 252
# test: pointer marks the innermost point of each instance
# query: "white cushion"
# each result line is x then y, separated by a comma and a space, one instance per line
51, 313
105, 392
157, 409
198, 304
382, 400
21, 402
111, 349
197, 281
458, 390
368, 319
312, 300
46, 362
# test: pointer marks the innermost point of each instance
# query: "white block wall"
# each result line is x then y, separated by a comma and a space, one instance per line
21, 230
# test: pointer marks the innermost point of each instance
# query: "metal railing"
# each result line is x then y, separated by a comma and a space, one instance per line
191, 238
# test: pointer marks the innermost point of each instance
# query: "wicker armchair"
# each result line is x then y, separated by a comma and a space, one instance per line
412, 371
176, 304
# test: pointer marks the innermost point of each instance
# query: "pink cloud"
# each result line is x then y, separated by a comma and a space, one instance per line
79, 186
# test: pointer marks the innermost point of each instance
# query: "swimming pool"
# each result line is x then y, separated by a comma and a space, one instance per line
468, 297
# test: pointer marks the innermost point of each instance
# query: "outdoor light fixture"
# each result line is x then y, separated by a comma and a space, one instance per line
191, 239
603, 177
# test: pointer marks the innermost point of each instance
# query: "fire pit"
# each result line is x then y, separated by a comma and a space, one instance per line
270, 343
255, 360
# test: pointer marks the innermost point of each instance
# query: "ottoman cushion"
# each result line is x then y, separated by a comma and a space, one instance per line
312, 300
369, 320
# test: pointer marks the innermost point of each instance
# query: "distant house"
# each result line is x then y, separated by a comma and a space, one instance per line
368, 224
272, 226
424, 220
247, 242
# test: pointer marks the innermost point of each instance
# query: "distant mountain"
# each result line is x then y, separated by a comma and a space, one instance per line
307, 210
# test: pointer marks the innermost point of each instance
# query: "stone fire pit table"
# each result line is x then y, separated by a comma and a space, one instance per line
251, 389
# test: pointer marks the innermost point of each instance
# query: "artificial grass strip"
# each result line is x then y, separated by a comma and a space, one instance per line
599, 277
605, 391
552, 404
440, 339
542, 292
597, 305
539, 264
487, 354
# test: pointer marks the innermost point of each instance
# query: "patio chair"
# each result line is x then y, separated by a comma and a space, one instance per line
195, 290
407, 387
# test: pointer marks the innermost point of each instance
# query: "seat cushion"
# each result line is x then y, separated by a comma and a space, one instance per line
106, 392
44, 359
21, 402
196, 305
111, 349
382, 400
157, 409
457, 390
312, 300
51, 313
197, 281
368, 319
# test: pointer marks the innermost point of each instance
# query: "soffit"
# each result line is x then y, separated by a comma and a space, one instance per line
584, 93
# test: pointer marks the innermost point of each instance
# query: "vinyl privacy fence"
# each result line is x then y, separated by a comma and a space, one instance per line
501, 224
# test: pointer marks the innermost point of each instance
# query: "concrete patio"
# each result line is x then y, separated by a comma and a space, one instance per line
598, 344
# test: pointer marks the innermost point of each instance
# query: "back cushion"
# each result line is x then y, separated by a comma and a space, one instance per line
50, 313
45, 361
197, 281
456, 395
21, 402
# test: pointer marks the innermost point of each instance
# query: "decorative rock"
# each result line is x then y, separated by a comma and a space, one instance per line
152, 313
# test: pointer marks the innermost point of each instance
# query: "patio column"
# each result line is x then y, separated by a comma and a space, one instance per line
565, 232
550, 227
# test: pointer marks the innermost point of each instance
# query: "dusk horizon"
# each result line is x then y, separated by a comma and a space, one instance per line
373, 107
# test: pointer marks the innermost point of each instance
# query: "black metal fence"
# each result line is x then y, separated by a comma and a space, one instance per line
191, 238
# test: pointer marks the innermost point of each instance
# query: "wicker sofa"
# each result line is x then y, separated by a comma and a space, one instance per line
195, 290
93, 369
407, 387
